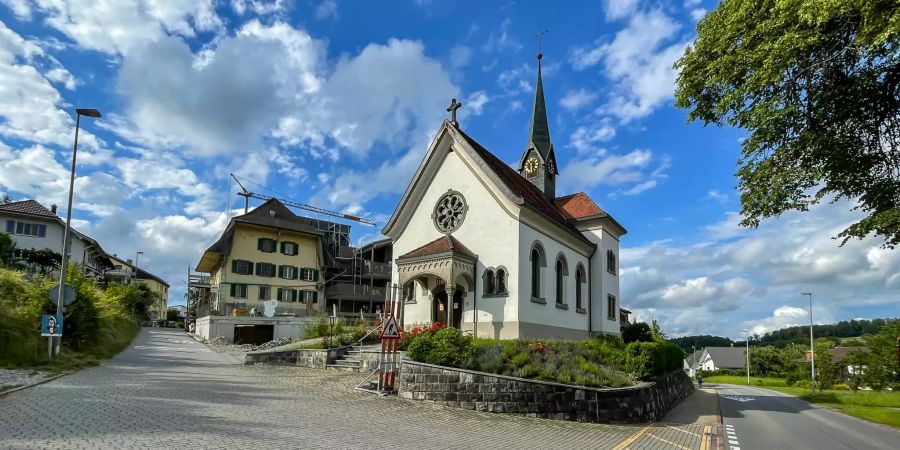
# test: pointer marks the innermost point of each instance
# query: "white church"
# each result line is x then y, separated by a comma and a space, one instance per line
492, 250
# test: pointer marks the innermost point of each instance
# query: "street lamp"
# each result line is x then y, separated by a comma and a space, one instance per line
65, 247
747, 332
136, 257
812, 344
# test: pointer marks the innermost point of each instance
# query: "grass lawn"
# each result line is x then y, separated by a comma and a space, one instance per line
879, 407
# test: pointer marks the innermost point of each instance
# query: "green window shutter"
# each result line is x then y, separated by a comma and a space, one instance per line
233, 266
303, 273
258, 267
259, 244
316, 275
280, 271
294, 274
315, 296
282, 247
232, 290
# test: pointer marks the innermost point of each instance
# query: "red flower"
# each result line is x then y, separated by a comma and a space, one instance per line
435, 326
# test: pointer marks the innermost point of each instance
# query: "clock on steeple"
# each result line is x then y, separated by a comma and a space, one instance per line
531, 167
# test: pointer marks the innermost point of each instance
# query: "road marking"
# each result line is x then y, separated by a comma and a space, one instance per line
733, 442
668, 442
683, 431
704, 441
633, 438
739, 398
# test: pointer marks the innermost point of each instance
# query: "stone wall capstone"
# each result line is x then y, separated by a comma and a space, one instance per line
316, 358
645, 402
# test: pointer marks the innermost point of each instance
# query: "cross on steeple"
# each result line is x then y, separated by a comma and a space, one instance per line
454, 105
538, 37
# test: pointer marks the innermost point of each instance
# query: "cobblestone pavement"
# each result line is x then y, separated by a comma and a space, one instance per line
168, 390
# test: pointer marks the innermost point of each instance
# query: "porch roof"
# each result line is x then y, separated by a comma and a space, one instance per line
441, 245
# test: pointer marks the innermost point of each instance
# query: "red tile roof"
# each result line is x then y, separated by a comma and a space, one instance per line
577, 206
522, 187
27, 207
443, 244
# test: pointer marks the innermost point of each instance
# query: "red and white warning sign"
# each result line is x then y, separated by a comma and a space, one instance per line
391, 330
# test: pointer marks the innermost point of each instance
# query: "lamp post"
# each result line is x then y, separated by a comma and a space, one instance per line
65, 245
136, 257
693, 361
812, 344
747, 333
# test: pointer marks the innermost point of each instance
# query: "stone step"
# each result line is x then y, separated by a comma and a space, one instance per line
339, 366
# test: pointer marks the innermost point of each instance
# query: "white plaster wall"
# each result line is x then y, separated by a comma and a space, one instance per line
488, 230
603, 282
549, 314
53, 239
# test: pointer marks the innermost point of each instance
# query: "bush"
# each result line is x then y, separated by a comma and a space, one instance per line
840, 387
805, 384
320, 327
637, 332
445, 347
646, 359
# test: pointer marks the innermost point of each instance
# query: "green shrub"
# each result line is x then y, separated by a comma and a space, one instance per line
647, 359
446, 347
319, 326
805, 384
840, 387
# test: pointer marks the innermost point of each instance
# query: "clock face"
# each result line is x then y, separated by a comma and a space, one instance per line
531, 166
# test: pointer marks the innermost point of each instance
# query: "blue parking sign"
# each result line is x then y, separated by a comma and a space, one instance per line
51, 325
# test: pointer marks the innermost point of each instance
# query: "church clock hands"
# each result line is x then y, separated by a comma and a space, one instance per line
449, 212
531, 166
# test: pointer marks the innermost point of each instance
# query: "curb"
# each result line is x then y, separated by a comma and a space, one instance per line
21, 388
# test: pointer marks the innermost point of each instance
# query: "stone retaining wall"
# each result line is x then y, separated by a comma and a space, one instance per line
647, 401
316, 358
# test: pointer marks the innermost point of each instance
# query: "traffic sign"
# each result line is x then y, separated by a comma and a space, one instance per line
51, 325
391, 330
69, 298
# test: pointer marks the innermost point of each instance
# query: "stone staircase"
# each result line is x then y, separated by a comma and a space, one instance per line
352, 360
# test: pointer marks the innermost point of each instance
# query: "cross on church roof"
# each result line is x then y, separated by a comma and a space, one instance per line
538, 37
454, 105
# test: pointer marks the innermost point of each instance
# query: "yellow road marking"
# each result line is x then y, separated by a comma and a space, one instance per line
633, 438
683, 431
704, 441
668, 442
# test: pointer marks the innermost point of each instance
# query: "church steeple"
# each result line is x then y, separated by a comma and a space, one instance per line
538, 162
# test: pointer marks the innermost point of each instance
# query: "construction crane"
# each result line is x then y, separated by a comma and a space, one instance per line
248, 195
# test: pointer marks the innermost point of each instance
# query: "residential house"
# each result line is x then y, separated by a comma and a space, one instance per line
32, 226
266, 263
125, 270
718, 358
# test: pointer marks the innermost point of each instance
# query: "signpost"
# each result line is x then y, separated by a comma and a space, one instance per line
51, 327
390, 334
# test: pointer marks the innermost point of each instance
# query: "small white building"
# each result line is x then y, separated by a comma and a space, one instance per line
491, 249
34, 227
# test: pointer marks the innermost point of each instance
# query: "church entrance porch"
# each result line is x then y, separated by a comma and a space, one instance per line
437, 279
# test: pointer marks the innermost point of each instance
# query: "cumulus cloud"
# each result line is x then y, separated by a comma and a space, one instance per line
475, 102
639, 62
742, 276
632, 172
327, 10
617, 9
577, 99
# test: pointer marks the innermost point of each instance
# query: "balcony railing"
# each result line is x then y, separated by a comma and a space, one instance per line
356, 291
376, 268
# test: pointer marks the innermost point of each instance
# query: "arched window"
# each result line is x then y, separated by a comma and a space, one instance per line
559, 282
489, 281
501, 281
579, 286
611, 262
535, 273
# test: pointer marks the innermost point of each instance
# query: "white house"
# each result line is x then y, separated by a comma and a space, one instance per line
715, 358
34, 227
489, 248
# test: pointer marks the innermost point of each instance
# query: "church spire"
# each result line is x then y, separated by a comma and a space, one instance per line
538, 162
539, 129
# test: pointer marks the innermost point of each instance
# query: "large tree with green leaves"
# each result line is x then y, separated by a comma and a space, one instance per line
816, 83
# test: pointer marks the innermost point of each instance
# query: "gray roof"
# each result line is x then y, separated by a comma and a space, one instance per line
728, 357
29, 207
693, 358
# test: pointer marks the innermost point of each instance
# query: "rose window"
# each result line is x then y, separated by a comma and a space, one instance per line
449, 212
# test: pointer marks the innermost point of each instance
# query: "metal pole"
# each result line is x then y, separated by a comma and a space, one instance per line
747, 332
812, 345
65, 245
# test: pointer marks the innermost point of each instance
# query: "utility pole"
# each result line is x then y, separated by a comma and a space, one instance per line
747, 332
812, 344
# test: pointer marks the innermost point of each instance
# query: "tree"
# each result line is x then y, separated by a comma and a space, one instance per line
816, 83
7, 248
828, 372
43, 261
882, 368
766, 362
657, 332
688, 343
637, 332
6, 199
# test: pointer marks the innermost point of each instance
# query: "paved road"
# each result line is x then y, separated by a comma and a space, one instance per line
168, 390
756, 418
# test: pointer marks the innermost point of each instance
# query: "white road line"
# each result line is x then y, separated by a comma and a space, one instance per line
733, 442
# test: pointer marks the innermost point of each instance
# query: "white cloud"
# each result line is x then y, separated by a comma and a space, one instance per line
460, 56
631, 172
782, 317
516, 80
574, 100
698, 13
258, 7
617, 9
327, 9
585, 138
475, 102
501, 41
117, 27
717, 196
639, 62
63, 76
735, 275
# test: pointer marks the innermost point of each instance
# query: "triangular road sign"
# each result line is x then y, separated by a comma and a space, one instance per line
390, 330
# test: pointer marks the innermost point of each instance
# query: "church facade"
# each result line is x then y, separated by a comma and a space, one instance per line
491, 249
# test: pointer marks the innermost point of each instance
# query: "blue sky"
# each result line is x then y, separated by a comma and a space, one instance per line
333, 103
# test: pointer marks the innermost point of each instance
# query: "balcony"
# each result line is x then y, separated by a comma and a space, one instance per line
377, 269
352, 291
283, 309
199, 281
